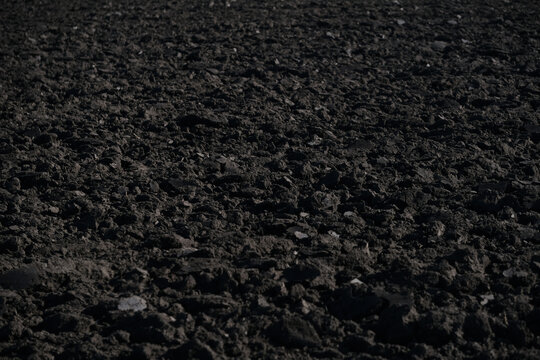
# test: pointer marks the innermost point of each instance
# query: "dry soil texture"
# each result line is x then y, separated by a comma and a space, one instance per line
269, 179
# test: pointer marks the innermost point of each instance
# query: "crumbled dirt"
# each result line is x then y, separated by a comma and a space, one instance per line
269, 179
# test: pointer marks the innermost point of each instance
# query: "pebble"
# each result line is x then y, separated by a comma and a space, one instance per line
356, 281
54, 210
262, 302
400, 22
132, 303
439, 45
154, 186
300, 235
305, 307
514, 273
486, 298
187, 251
333, 234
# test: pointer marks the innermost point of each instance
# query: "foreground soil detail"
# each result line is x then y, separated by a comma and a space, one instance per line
269, 179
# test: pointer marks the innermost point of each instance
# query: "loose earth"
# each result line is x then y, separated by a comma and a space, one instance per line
269, 179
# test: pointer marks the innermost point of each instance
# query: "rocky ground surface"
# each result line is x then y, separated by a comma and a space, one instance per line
269, 179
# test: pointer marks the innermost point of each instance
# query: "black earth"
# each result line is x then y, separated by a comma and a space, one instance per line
269, 179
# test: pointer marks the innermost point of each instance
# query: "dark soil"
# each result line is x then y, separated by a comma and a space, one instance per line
269, 179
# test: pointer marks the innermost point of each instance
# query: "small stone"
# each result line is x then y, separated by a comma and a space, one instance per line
187, 251
348, 214
486, 298
262, 302
304, 214
512, 272
305, 307
132, 303
300, 235
54, 210
356, 281
400, 22
333, 234
366, 248
507, 213
154, 186
297, 291
439, 45
186, 204
436, 228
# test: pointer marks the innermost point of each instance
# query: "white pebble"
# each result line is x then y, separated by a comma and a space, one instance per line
132, 303
486, 298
